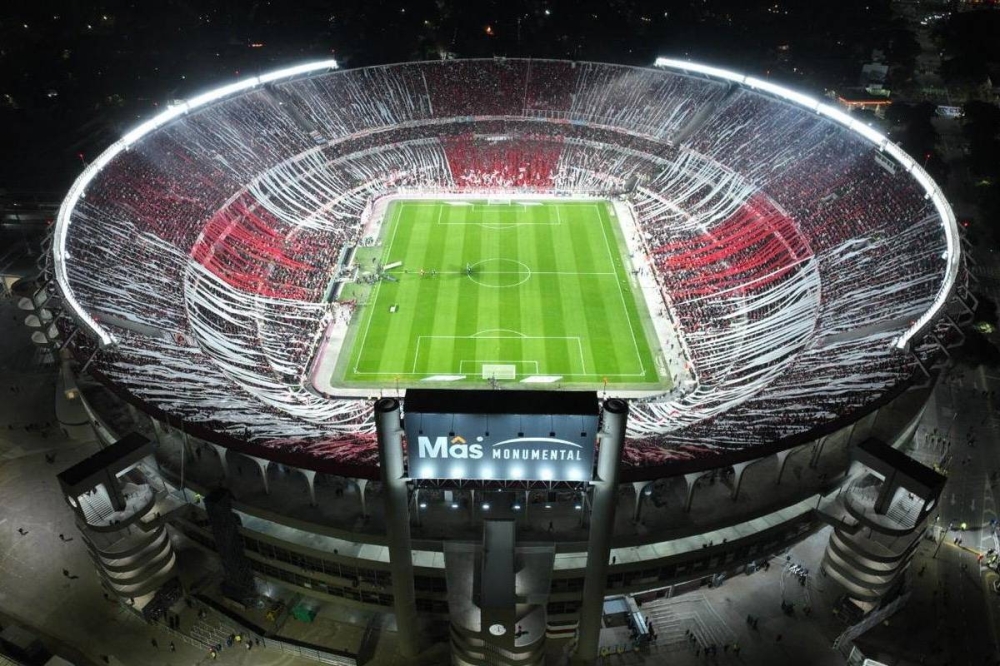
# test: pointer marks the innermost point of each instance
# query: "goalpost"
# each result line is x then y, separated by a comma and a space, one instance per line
499, 371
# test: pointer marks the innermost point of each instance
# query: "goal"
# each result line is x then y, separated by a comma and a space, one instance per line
499, 371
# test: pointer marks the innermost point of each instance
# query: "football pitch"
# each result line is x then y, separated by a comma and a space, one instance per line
472, 292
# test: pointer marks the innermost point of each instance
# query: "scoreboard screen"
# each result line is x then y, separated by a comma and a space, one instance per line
501, 435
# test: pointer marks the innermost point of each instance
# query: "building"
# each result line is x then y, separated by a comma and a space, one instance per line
800, 311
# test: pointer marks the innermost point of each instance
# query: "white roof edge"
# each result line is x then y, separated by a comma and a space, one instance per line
77, 190
931, 189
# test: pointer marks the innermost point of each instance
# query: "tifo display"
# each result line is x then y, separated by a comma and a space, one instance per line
800, 257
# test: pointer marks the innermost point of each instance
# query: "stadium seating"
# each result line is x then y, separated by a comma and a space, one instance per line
776, 239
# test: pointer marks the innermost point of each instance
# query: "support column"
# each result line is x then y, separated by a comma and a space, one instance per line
782, 459
691, 480
886, 493
472, 506
640, 489
114, 490
310, 475
854, 426
416, 507
605, 485
817, 451
738, 470
262, 463
223, 460
362, 484
390, 452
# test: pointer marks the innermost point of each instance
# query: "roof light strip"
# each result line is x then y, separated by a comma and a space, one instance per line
933, 192
78, 189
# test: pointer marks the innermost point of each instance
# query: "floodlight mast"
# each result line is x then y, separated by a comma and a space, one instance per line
78, 190
953, 253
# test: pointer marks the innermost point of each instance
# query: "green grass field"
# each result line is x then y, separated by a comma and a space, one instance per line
526, 290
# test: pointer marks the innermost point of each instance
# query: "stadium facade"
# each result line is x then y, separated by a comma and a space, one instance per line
809, 270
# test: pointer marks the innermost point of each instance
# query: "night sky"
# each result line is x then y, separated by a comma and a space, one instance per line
74, 74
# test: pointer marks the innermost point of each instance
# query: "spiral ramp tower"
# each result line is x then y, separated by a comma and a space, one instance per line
881, 515
122, 520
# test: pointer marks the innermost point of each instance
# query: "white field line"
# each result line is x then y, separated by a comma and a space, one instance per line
621, 295
374, 298
596, 207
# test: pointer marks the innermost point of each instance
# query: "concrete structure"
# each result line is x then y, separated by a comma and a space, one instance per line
329, 538
310, 508
879, 521
119, 516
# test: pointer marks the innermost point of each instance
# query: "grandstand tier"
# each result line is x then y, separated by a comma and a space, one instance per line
788, 260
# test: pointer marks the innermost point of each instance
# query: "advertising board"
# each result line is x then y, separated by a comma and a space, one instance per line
504, 435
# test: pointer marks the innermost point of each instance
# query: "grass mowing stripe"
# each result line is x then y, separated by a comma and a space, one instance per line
568, 296
589, 304
484, 348
557, 357
458, 298
643, 359
432, 258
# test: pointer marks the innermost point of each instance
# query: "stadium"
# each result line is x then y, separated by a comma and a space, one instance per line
763, 280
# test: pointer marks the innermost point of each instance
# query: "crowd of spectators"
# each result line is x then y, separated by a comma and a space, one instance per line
523, 163
208, 246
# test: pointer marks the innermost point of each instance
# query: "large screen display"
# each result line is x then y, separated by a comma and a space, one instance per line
491, 445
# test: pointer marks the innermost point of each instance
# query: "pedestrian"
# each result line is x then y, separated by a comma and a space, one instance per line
777, 639
550, 526
62, 537
173, 648
21, 531
66, 573
154, 643
736, 649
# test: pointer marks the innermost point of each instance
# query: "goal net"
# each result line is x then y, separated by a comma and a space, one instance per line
497, 371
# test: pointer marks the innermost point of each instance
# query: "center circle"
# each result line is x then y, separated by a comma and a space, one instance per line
497, 273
